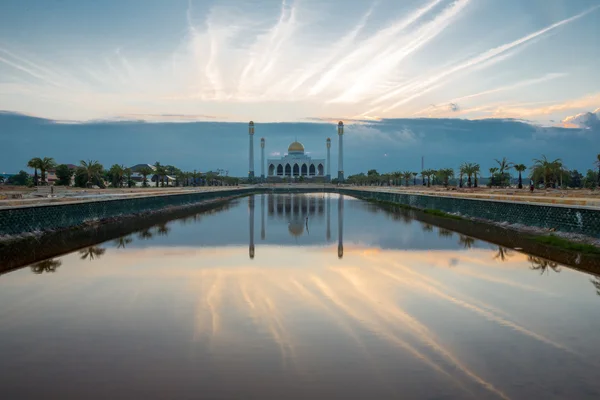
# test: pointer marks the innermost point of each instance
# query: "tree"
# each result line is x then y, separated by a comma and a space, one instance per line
543, 265
128, 174
145, 171
545, 170
470, 169
123, 241
160, 172
46, 266
64, 175
407, 175
445, 174
520, 168
92, 170
46, 163
591, 179
91, 252
476, 169
1, 179
20, 179
493, 171
576, 179
461, 173
503, 167
415, 174
35, 164
116, 173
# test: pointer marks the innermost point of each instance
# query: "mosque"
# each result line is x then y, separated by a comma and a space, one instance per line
296, 163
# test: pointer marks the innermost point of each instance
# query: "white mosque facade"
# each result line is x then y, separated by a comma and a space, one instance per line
296, 164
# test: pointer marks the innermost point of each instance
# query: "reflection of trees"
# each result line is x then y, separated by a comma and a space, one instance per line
466, 241
92, 252
46, 266
543, 265
427, 228
162, 229
123, 241
503, 254
596, 283
445, 232
145, 234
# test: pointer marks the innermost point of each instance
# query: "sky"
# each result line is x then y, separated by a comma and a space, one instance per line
387, 68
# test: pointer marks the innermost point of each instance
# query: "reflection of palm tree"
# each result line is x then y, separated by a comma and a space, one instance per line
46, 266
466, 241
91, 252
162, 229
543, 265
445, 232
123, 241
503, 254
596, 283
145, 234
427, 228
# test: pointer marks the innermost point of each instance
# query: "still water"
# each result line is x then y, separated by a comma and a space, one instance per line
298, 296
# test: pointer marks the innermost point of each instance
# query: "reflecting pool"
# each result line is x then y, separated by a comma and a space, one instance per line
299, 296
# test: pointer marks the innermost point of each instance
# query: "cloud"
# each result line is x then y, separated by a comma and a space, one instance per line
275, 154
586, 120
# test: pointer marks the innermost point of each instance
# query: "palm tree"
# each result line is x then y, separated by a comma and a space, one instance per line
466, 241
160, 171
476, 169
442, 232
543, 265
128, 174
503, 167
145, 171
1, 178
461, 172
520, 168
46, 164
92, 252
35, 164
162, 229
493, 172
596, 283
469, 170
407, 175
544, 169
415, 174
145, 234
503, 254
123, 241
93, 169
46, 266
445, 174
116, 173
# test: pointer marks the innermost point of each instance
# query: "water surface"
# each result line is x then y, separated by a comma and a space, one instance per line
298, 296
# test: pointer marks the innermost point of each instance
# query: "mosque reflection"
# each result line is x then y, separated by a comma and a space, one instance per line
297, 210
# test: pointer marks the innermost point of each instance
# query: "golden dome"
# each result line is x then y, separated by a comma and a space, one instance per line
296, 228
296, 147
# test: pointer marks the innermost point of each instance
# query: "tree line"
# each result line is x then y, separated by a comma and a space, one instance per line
92, 173
545, 172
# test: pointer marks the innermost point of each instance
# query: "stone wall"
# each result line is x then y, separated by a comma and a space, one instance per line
574, 219
39, 218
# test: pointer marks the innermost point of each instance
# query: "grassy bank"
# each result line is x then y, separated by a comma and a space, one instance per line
565, 244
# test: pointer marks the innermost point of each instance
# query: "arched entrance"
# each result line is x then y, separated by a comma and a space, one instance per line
311, 170
280, 170
304, 170
320, 170
271, 170
288, 170
296, 170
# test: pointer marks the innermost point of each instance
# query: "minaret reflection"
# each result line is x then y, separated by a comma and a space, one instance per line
340, 226
328, 234
262, 216
251, 216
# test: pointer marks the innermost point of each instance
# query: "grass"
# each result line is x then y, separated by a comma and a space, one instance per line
565, 244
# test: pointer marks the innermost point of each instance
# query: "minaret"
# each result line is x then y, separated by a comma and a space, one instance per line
328, 178
262, 159
340, 226
262, 216
251, 150
341, 151
251, 217
328, 234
